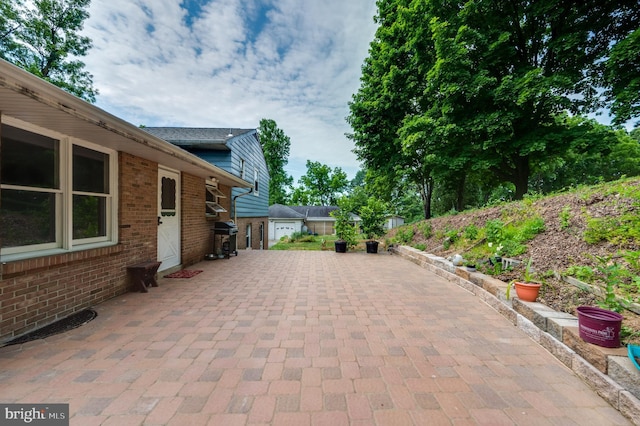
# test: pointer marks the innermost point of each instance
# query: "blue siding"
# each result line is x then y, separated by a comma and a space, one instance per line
247, 148
243, 147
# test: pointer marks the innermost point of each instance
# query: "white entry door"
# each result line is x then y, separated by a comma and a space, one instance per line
168, 218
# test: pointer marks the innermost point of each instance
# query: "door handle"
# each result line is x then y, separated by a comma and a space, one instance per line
159, 220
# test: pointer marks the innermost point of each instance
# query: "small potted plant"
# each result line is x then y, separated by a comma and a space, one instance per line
528, 289
344, 226
372, 217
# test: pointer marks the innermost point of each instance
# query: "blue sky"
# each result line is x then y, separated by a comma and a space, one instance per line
231, 63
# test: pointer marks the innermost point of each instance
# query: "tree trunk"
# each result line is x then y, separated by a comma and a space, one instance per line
521, 177
426, 192
460, 193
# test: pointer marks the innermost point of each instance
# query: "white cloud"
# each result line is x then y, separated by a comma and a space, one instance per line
298, 65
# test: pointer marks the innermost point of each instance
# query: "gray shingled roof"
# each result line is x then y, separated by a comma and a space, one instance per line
314, 211
195, 136
281, 212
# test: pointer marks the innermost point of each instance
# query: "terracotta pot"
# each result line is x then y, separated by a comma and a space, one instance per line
599, 326
527, 292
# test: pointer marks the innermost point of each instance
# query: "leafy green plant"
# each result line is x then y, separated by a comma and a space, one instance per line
372, 217
470, 232
565, 217
420, 246
404, 234
344, 224
616, 230
612, 277
529, 276
493, 229
425, 228
583, 273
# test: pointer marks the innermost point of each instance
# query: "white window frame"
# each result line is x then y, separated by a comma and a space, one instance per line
64, 241
256, 182
242, 168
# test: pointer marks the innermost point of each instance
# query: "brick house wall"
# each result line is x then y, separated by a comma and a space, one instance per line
39, 291
255, 232
197, 236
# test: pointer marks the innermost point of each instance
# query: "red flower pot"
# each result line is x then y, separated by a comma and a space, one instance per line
527, 292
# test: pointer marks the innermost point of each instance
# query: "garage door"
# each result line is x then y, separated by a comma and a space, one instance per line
284, 229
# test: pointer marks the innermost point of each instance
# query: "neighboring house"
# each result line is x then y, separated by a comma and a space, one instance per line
239, 152
317, 219
285, 220
83, 195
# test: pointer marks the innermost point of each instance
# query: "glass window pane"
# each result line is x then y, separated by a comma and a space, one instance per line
90, 170
28, 159
89, 217
168, 199
27, 218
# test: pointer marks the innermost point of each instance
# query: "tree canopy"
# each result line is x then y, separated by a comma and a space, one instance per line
320, 185
43, 38
455, 93
276, 146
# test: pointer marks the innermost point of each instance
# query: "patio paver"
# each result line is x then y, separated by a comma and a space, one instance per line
301, 338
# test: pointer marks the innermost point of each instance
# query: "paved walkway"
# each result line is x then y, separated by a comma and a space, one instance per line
301, 338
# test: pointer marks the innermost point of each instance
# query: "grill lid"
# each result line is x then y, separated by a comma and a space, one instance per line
227, 228
224, 225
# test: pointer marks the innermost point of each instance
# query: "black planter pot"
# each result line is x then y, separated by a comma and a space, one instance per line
372, 246
341, 246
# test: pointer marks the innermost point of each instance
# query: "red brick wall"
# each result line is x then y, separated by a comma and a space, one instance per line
255, 232
38, 291
196, 229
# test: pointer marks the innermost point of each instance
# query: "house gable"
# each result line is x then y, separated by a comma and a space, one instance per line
237, 151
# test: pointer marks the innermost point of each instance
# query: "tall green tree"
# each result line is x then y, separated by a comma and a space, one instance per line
9, 22
622, 77
495, 82
392, 79
320, 185
276, 146
43, 38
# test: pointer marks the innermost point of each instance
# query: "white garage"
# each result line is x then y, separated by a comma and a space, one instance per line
283, 229
283, 221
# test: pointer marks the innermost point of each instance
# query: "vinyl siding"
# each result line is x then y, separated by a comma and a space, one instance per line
243, 147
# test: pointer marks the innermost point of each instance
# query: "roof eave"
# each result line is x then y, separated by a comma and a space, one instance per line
33, 100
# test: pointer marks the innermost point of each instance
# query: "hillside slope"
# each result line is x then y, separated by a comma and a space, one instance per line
579, 226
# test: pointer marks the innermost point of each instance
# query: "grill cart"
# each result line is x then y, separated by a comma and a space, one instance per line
224, 241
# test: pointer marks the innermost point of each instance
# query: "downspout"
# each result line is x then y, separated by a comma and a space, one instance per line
235, 210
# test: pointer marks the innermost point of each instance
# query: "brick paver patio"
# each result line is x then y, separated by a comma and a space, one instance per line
301, 338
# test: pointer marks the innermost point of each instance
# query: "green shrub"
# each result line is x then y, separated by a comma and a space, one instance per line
471, 232
616, 230
425, 228
493, 229
583, 273
565, 217
420, 246
405, 234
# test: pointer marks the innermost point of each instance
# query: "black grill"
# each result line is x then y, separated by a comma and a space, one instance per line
224, 246
225, 228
